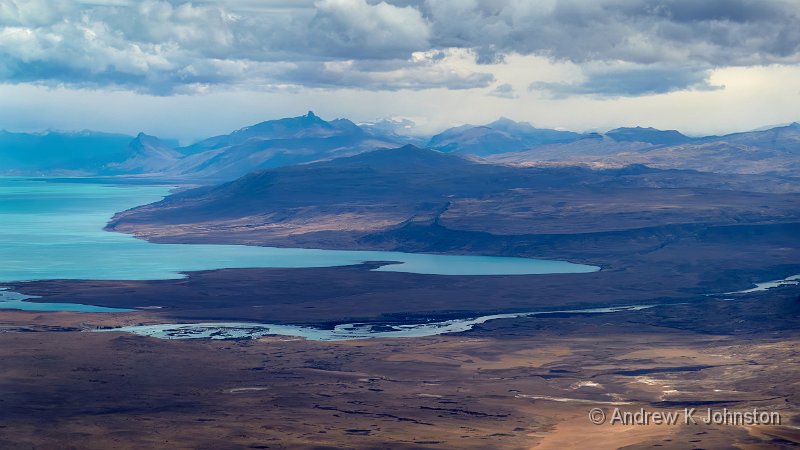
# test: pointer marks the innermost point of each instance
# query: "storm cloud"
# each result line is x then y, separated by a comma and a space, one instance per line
166, 47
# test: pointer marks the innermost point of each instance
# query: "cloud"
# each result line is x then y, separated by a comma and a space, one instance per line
162, 47
504, 91
632, 82
356, 29
718, 32
166, 47
415, 76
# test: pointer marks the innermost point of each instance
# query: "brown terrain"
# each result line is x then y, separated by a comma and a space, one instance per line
412, 199
665, 238
524, 383
772, 151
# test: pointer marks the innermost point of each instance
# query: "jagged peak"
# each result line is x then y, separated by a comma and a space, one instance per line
144, 137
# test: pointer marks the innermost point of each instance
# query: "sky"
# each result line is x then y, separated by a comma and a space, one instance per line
189, 70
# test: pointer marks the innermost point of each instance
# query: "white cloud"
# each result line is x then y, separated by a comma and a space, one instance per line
616, 62
356, 29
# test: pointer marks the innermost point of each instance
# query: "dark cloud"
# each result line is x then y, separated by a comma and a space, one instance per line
631, 82
718, 32
489, 55
741, 11
504, 91
170, 46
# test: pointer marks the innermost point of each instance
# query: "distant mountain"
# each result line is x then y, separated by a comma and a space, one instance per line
147, 155
264, 145
592, 145
500, 136
309, 138
302, 127
61, 153
274, 143
394, 130
785, 139
648, 135
775, 151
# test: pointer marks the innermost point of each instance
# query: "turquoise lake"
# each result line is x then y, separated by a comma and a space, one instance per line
54, 230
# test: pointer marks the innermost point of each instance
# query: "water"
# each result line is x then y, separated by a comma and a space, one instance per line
342, 332
15, 300
54, 230
792, 280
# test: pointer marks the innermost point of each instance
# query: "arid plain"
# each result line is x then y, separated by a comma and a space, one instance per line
686, 246
525, 383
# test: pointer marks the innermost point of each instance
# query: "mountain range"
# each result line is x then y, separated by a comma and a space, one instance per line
309, 138
61, 153
501, 135
356, 201
264, 145
773, 151
272, 144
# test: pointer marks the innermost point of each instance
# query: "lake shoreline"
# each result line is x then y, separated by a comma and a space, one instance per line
55, 230
325, 297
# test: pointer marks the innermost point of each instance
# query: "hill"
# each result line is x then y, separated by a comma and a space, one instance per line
649, 135
423, 200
